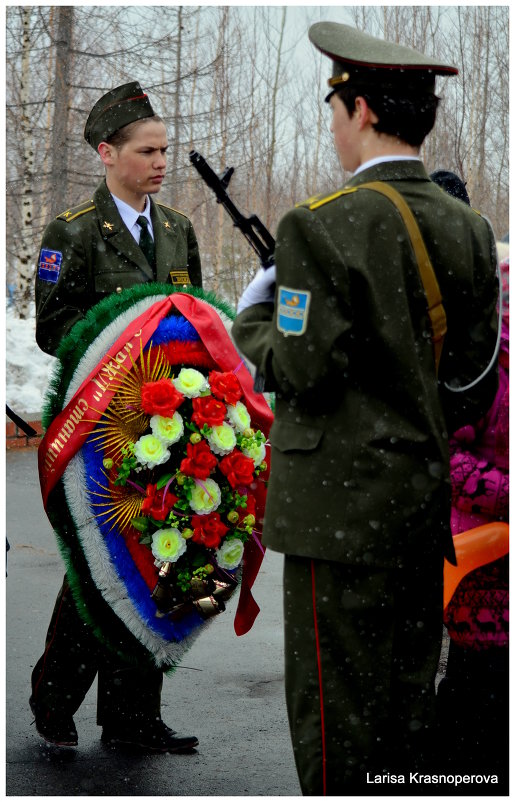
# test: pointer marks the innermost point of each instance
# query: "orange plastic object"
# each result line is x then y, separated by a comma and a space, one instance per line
474, 548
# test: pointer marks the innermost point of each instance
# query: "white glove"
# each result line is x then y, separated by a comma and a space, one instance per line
261, 289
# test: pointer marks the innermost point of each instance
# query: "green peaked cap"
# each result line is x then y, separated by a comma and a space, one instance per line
358, 57
119, 107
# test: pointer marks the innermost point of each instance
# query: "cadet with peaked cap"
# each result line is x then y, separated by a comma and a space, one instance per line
120, 238
359, 494
98, 247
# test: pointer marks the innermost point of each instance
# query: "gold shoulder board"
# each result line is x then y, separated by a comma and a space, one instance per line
316, 201
171, 209
76, 211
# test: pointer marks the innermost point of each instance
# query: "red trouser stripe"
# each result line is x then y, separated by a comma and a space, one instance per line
319, 664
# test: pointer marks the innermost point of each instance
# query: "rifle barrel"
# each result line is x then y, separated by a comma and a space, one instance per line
256, 234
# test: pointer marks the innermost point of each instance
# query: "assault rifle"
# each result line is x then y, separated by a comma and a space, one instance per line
256, 234
20, 423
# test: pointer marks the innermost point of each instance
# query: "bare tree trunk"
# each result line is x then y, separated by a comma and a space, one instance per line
241, 106
177, 102
45, 169
220, 97
25, 268
193, 100
273, 124
484, 49
59, 186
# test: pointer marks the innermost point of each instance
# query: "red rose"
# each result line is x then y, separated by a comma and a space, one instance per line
238, 468
155, 506
200, 460
160, 398
207, 409
225, 386
208, 530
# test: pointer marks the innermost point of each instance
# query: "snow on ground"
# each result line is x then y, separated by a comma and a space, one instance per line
28, 369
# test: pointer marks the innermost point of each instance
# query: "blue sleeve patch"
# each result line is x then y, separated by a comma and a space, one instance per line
292, 316
49, 265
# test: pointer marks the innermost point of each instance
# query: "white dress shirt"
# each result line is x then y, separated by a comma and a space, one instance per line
130, 216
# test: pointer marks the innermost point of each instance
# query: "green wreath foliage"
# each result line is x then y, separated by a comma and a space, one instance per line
92, 608
75, 344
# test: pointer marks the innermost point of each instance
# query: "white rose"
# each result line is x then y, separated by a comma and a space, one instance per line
230, 554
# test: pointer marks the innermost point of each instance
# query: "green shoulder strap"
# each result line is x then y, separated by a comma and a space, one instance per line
427, 274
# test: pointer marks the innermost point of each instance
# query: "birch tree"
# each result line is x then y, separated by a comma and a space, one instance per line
219, 77
25, 267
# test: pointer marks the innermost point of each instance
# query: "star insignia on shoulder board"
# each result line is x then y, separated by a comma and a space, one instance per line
67, 214
107, 225
166, 224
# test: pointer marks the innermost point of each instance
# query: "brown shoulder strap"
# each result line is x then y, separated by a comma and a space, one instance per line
427, 274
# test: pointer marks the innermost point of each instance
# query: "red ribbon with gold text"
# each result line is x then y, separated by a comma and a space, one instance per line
66, 433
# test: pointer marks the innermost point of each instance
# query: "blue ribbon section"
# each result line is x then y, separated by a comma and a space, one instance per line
174, 327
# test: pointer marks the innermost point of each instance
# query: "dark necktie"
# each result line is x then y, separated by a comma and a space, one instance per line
146, 243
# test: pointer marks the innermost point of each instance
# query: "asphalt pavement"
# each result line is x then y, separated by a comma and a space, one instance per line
229, 690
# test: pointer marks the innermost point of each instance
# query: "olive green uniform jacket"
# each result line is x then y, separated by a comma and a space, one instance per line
94, 255
360, 463
86, 254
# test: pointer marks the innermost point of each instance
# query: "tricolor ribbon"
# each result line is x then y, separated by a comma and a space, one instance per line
66, 433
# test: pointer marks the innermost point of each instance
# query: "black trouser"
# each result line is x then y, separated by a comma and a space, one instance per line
72, 658
473, 712
362, 647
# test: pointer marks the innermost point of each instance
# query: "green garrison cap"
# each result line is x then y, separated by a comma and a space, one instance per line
121, 106
359, 58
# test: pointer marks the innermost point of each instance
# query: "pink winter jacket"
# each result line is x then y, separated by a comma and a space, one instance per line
477, 616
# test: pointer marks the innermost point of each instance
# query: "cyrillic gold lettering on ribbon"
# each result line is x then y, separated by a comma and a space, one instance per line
67, 431
65, 434
55, 447
61, 442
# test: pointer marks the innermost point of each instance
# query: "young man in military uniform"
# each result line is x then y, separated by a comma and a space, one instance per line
119, 238
359, 493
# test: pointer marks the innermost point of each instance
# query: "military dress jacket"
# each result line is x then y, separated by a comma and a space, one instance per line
360, 462
87, 253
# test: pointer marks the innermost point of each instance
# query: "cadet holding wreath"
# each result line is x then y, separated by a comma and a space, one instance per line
119, 238
350, 332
